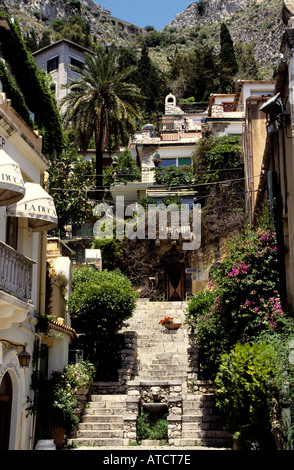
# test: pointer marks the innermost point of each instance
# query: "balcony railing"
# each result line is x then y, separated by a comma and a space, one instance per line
15, 273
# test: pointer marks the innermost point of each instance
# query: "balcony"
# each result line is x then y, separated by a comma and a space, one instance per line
15, 273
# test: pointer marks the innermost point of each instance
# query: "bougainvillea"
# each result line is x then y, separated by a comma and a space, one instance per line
242, 301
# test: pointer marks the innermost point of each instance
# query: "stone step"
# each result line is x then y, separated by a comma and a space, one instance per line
98, 400
98, 442
112, 397
101, 419
162, 359
223, 443
92, 410
99, 434
101, 426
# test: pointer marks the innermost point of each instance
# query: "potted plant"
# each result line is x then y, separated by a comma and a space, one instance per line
168, 323
80, 376
53, 405
56, 400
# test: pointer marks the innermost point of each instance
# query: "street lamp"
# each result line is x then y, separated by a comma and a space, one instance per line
23, 356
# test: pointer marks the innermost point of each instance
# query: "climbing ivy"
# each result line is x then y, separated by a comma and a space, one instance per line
14, 94
33, 85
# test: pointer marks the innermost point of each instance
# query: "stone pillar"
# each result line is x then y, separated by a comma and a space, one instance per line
128, 356
147, 164
174, 419
130, 419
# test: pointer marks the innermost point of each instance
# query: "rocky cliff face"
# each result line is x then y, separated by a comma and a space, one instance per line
209, 10
258, 22
38, 14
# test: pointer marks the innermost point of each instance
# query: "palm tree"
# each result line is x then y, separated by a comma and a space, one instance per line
101, 103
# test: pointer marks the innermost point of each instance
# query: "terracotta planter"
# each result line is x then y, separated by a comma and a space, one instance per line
173, 326
59, 436
83, 391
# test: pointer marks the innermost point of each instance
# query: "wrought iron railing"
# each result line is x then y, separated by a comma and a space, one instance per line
16, 272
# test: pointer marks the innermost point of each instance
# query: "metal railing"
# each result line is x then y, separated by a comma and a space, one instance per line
16, 272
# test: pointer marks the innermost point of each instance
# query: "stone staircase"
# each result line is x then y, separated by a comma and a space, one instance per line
102, 423
201, 424
164, 369
161, 353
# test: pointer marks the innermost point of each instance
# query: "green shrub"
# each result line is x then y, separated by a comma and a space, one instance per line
100, 301
80, 375
54, 404
247, 378
148, 430
173, 176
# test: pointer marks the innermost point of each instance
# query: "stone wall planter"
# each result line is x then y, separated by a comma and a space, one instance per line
150, 442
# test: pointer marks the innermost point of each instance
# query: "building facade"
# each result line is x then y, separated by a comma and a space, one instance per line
56, 60
27, 213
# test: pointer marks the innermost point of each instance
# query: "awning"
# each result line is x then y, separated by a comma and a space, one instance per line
12, 187
37, 206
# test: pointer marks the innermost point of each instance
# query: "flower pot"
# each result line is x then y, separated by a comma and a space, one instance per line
83, 391
59, 436
173, 326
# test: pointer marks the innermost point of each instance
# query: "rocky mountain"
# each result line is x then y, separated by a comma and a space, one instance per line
38, 15
257, 22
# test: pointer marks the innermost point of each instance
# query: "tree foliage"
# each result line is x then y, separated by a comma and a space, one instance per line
71, 179
244, 330
174, 176
228, 61
102, 102
243, 302
248, 377
152, 84
101, 301
125, 171
218, 172
34, 88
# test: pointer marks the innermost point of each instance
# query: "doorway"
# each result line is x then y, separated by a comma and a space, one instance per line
5, 411
175, 282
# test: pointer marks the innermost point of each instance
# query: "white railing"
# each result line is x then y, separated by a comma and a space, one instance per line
15, 273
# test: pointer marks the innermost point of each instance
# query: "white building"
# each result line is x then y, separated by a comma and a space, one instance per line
56, 60
226, 112
27, 212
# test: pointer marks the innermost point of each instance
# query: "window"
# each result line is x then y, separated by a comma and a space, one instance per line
76, 63
11, 232
184, 161
52, 64
168, 162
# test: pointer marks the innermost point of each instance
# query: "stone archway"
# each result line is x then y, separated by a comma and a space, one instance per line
5, 410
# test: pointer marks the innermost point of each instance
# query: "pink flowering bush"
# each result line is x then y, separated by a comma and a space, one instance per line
242, 302
80, 375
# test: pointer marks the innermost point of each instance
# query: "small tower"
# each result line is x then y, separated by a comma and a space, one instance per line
171, 105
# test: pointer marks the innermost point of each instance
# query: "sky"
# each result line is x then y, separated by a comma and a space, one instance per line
157, 13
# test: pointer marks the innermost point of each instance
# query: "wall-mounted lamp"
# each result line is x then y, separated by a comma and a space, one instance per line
23, 356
